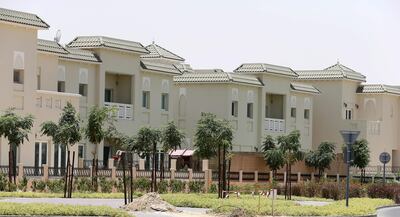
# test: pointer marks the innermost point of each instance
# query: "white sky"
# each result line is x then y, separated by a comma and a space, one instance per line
363, 35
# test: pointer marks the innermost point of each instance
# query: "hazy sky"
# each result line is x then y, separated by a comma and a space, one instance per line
363, 35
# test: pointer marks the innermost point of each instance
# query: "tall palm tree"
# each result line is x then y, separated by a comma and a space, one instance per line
66, 132
273, 155
171, 139
15, 129
214, 138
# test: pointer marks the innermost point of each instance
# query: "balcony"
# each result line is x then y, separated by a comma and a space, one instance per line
274, 125
122, 111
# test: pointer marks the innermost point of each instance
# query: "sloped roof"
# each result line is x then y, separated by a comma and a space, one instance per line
252, 68
184, 67
159, 67
337, 71
378, 88
216, 76
23, 18
82, 55
304, 88
50, 47
156, 51
107, 42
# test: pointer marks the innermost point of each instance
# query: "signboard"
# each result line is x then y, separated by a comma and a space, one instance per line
384, 157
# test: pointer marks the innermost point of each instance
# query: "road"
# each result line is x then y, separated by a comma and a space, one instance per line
389, 212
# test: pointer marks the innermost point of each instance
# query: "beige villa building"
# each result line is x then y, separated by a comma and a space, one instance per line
150, 86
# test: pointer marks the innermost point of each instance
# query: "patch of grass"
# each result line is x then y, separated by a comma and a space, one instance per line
59, 195
42, 209
358, 206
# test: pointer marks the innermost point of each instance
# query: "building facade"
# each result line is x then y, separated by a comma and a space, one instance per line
150, 86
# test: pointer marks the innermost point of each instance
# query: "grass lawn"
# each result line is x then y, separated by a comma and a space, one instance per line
358, 206
59, 195
40, 209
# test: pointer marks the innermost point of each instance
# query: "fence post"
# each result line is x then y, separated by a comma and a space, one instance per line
298, 177
337, 178
80, 163
114, 177
45, 172
20, 171
91, 171
206, 173
241, 176
373, 179
190, 174
141, 163
255, 176
325, 175
271, 176
172, 174
312, 177
173, 164
110, 163
204, 165
134, 173
284, 177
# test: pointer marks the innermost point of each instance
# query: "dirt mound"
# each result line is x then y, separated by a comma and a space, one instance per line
150, 202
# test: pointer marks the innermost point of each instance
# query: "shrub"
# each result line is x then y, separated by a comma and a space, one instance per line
38, 185
356, 190
23, 184
330, 190
177, 186
56, 185
106, 185
196, 186
162, 187
212, 188
142, 184
84, 185
3, 182
389, 191
311, 189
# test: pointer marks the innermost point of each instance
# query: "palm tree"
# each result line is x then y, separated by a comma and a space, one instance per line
145, 143
322, 157
273, 155
290, 146
214, 138
361, 156
66, 133
15, 129
98, 126
171, 139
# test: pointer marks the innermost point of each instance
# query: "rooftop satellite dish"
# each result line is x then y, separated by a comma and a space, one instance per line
58, 36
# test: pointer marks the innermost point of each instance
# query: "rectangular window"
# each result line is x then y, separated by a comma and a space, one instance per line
293, 112
40, 153
83, 89
164, 101
61, 86
18, 76
349, 114
306, 114
81, 152
234, 109
108, 95
250, 110
146, 99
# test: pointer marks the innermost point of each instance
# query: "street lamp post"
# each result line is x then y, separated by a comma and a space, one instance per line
349, 138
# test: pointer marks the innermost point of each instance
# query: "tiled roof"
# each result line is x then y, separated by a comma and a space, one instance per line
184, 67
50, 47
304, 88
337, 71
159, 67
82, 55
378, 88
216, 76
23, 18
157, 51
265, 68
107, 42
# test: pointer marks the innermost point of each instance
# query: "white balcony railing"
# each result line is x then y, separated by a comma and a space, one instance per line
275, 125
123, 111
374, 127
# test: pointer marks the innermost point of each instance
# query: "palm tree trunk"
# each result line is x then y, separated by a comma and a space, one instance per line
290, 182
229, 174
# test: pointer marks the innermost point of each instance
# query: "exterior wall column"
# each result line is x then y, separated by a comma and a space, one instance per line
141, 163
20, 170
111, 163
206, 181
173, 174
173, 164
134, 173
312, 177
204, 165
241, 176
190, 174
45, 172
284, 177
271, 176
298, 177
255, 176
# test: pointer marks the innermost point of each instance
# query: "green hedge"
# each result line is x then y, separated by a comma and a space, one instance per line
41, 209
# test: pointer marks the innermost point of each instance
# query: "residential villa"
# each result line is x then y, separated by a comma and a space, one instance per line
150, 86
